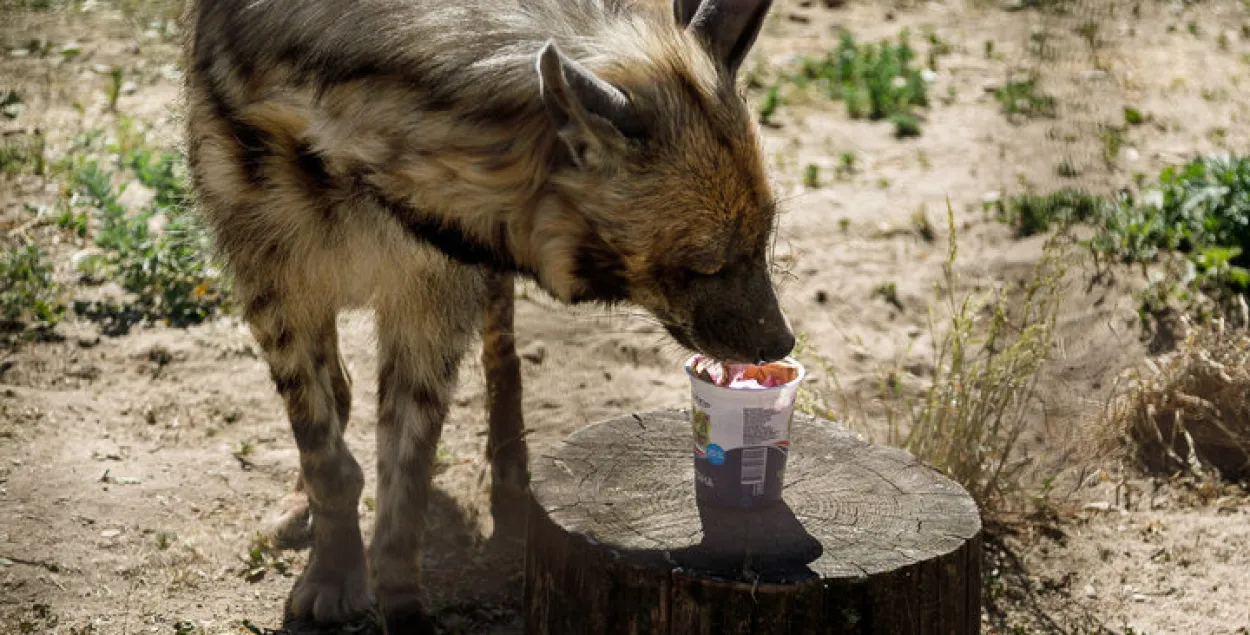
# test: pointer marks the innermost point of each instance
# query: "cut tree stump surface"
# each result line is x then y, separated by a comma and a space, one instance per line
866, 540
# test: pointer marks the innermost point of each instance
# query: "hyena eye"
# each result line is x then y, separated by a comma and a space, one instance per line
704, 270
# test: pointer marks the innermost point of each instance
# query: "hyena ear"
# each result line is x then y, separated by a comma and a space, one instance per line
591, 115
684, 10
728, 28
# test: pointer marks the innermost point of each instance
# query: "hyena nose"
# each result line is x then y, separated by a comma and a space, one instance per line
778, 347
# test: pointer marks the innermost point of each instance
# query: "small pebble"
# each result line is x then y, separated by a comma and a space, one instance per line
1138, 597
110, 533
534, 353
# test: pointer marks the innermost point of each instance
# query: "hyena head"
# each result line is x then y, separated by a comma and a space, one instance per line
663, 158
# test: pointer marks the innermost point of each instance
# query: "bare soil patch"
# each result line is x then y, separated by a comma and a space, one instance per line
136, 469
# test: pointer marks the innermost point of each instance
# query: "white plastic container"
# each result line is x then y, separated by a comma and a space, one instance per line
741, 439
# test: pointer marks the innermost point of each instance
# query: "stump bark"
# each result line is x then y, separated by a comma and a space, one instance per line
867, 540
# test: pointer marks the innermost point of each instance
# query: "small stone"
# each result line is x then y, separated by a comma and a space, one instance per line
1090, 592
136, 196
110, 533
991, 85
534, 353
128, 88
1101, 506
822, 297
1138, 597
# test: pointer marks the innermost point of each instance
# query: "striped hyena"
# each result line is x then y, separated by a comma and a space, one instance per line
414, 156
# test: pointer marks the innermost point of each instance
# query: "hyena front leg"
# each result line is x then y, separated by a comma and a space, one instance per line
421, 344
505, 446
300, 346
291, 527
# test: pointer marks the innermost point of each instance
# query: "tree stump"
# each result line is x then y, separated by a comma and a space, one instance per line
866, 540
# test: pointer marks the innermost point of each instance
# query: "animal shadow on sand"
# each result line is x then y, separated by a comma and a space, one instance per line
472, 586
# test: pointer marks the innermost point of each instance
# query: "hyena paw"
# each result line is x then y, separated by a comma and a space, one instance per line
291, 526
330, 595
406, 616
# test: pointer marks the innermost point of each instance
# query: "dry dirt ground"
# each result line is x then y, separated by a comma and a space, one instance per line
126, 505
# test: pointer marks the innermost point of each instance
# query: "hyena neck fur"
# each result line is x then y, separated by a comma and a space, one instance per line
445, 127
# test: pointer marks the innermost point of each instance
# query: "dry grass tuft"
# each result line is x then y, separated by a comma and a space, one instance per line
989, 350
1190, 411
970, 419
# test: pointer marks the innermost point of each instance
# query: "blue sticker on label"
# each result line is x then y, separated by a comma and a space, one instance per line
715, 454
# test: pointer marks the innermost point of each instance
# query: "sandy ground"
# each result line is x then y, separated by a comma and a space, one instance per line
125, 506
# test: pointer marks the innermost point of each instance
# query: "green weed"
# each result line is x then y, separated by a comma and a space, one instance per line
1067, 169
1032, 214
1200, 210
164, 539
768, 107
811, 175
116, 75
875, 81
262, 558
888, 291
1193, 221
29, 297
23, 154
905, 125
921, 224
1089, 31
1024, 98
846, 164
159, 253
1113, 139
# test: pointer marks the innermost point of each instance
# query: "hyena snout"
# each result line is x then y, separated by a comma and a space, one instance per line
736, 317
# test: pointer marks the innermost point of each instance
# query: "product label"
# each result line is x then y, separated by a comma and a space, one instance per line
732, 426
